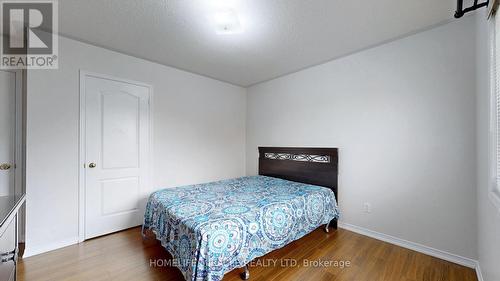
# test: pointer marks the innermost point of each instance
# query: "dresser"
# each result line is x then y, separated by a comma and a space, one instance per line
9, 243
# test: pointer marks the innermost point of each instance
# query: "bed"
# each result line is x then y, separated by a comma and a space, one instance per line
213, 228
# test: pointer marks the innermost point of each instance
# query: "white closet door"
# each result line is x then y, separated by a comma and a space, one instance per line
117, 147
7, 131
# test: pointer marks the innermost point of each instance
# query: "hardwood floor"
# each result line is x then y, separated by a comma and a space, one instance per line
125, 256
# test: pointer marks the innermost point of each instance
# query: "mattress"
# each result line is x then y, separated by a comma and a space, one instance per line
213, 228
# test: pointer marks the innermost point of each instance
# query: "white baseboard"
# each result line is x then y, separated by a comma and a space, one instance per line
411, 245
40, 249
479, 273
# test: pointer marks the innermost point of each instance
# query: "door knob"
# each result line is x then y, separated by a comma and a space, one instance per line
5, 166
92, 165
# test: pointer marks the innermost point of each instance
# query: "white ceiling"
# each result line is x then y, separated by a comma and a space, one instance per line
281, 36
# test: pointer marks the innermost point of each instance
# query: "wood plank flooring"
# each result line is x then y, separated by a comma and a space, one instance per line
125, 256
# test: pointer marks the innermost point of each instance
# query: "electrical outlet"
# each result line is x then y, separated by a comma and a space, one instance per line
367, 207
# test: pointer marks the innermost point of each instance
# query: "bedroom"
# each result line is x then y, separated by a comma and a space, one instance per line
381, 113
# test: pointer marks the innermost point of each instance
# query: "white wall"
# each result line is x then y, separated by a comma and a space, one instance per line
403, 116
199, 134
488, 215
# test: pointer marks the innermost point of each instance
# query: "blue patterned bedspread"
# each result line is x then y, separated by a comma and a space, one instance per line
213, 228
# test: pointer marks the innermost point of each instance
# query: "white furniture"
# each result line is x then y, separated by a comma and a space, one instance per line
9, 243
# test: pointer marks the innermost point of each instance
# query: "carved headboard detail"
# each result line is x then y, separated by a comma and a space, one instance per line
318, 166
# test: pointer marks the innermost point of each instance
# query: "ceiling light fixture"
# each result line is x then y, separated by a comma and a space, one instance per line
227, 22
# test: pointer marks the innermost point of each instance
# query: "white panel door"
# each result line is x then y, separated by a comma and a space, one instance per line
116, 152
7, 131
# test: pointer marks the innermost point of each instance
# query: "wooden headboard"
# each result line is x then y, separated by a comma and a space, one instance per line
318, 166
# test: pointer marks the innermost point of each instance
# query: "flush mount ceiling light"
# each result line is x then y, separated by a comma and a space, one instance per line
226, 22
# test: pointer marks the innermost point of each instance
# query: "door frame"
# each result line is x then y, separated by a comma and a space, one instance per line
82, 142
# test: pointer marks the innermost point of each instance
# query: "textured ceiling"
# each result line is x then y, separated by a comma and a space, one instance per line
281, 36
